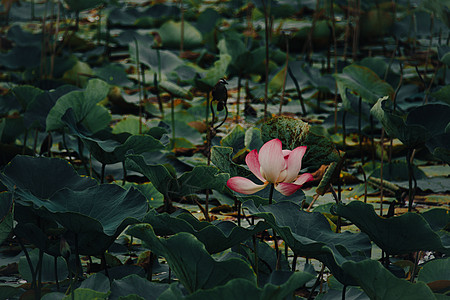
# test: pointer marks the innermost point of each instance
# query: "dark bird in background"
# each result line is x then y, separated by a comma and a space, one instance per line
220, 93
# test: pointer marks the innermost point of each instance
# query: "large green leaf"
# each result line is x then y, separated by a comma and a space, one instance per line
403, 234
170, 33
109, 148
310, 235
221, 158
294, 133
244, 289
380, 284
136, 285
39, 182
189, 260
97, 215
84, 105
363, 82
216, 236
175, 90
417, 127
6, 215
200, 178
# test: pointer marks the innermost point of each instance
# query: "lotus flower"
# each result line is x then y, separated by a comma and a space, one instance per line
275, 166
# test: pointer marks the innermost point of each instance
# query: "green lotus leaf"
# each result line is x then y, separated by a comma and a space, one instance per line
235, 139
200, 178
38, 109
136, 285
79, 5
364, 82
6, 215
379, 283
169, 61
170, 33
114, 74
175, 90
403, 234
221, 158
189, 260
216, 236
97, 282
11, 129
294, 133
435, 274
282, 285
417, 127
25, 94
84, 105
97, 215
158, 175
109, 148
21, 57
39, 184
310, 235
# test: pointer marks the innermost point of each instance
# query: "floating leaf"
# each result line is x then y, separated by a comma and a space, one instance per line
221, 158
136, 285
310, 235
379, 283
40, 183
363, 82
407, 233
84, 106
83, 213
191, 263
170, 33
216, 236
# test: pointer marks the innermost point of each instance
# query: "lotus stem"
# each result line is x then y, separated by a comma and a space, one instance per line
299, 92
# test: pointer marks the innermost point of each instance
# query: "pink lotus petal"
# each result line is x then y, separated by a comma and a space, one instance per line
244, 185
287, 189
286, 153
252, 162
302, 179
271, 160
294, 163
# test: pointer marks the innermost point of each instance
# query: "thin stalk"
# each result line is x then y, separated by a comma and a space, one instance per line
102, 176
344, 290
365, 183
338, 200
182, 27
284, 75
35, 141
39, 275
359, 129
333, 31
381, 171
156, 84
255, 251
409, 161
124, 173
317, 282
416, 262
238, 100
266, 63
294, 262
344, 114
55, 40
138, 63
172, 120
25, 141
299, 92
272, 187
55, 266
